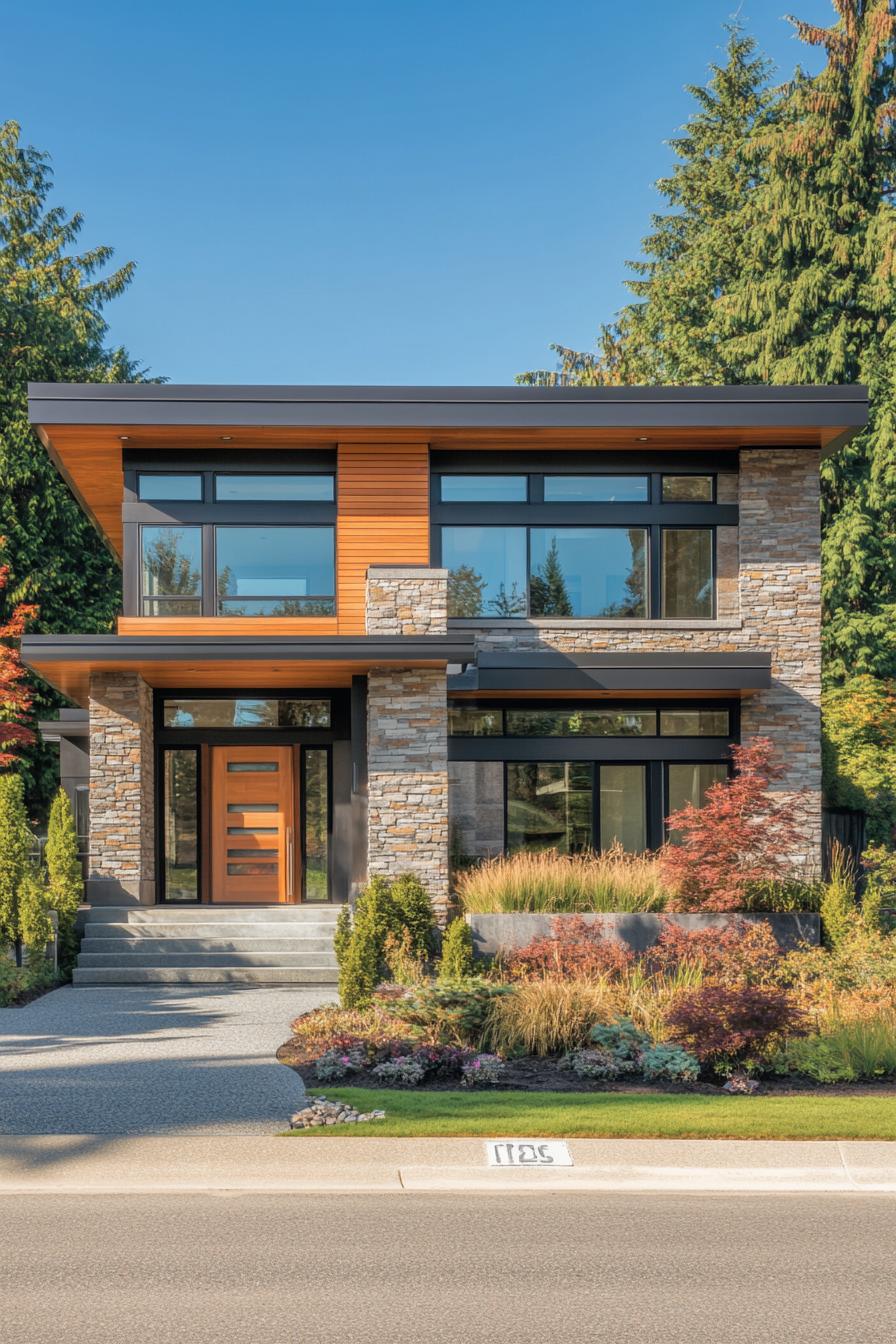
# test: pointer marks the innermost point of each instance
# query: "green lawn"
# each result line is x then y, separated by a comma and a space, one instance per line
613, 1116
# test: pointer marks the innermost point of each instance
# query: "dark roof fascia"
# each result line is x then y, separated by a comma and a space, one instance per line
159, 404
648, 672
210, 648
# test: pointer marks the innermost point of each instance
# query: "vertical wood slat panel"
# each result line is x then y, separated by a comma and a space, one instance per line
382, 518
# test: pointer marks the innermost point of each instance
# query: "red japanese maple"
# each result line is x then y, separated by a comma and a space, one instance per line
744, 833
15, 695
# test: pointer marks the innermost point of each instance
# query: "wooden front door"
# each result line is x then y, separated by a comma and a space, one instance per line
253, 807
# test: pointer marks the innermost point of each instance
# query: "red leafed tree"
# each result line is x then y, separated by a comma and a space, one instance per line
743, 834
15, 697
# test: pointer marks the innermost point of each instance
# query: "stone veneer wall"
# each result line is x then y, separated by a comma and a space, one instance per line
778, 610
122, 834
406, 600
407, 735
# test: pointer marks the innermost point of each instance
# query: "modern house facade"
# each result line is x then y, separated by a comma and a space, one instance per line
369, 630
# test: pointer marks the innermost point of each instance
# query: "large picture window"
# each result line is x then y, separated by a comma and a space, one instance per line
486, 570
588, 571
275, 571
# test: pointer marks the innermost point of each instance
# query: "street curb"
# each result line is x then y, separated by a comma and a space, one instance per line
104, 1164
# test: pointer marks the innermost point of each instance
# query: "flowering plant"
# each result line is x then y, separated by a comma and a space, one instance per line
482, 1071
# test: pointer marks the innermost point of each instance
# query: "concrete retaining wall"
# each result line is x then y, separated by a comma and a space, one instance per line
503, 933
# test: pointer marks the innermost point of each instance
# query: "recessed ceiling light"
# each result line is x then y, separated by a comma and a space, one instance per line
642, 438
124, 437
225, 438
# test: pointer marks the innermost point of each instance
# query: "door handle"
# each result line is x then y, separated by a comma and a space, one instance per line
290, 862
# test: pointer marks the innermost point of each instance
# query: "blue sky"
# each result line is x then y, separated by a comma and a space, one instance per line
399, 191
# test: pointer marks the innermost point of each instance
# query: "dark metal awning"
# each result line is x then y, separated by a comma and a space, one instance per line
546, 671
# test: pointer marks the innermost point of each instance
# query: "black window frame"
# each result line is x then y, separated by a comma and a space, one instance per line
327, 748
654, 516
180, 599
260, 597
208, 513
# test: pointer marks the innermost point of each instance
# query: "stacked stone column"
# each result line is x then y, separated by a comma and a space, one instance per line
407, 735
122, 827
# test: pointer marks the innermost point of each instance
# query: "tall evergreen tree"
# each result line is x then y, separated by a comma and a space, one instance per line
52, 329
815, 298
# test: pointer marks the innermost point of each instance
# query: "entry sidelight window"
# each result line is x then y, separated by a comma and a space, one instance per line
275, 571
180, 782
316, 824
171, 569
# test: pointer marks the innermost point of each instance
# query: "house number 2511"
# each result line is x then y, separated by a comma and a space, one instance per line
527, 1153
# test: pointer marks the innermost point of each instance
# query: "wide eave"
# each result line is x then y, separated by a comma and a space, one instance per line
86, 426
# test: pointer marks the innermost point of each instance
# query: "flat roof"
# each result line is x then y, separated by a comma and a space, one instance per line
448, 407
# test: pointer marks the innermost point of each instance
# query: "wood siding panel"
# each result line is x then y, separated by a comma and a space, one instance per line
382, 518
155, 626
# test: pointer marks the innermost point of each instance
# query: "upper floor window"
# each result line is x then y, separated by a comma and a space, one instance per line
483, 489
275, 571
175, 485
596, 489
269, 486
171, 571
688, 489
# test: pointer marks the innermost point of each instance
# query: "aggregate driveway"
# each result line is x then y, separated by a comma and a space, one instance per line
150, 1060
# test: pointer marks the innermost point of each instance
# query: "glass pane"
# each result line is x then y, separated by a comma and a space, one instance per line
251, 807
268, 486
549, 806
277, 606
588, 571
471, 722
687, 573
276, 563
246, 713
172, 606
180, 771
252, 869
595, 489
581, 722
177, 485
688, 784
687, 489
252, 767
317, 826
475, 811
484, 489
172, 561
251, 853
253, 830
487, 570
623, 807
694, 723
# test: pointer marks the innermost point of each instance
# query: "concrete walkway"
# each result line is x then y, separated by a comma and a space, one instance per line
78, 1164
153, 1060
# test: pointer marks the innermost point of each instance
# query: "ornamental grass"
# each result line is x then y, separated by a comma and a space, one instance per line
552, 883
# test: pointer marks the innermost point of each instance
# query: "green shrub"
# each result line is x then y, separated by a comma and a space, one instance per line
457, 953
363, 961
865, 1048
343, 933
65, 881
551, 883
782, 896
451, 1014
669, 1063
839, 915
879, 864
621, 1039
414, 912
599, 1064
15, 846
403, 964
18, 983
35, 924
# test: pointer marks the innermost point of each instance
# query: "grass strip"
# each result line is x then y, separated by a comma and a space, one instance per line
612, 1116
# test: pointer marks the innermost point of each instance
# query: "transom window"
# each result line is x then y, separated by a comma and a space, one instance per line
245, 712
472, 720
271, 486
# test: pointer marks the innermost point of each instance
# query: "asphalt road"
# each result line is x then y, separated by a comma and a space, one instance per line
116, 1269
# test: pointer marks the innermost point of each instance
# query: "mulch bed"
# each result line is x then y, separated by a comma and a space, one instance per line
533, 1074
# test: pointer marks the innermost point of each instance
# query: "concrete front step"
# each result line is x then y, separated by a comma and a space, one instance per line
310, 977
287, 943
127, 960
187, 914
125, 933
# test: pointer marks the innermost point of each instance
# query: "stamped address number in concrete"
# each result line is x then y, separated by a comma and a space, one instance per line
527, 1153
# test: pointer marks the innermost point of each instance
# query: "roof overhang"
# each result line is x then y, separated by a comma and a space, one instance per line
545, 672
85, 425
68, 661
